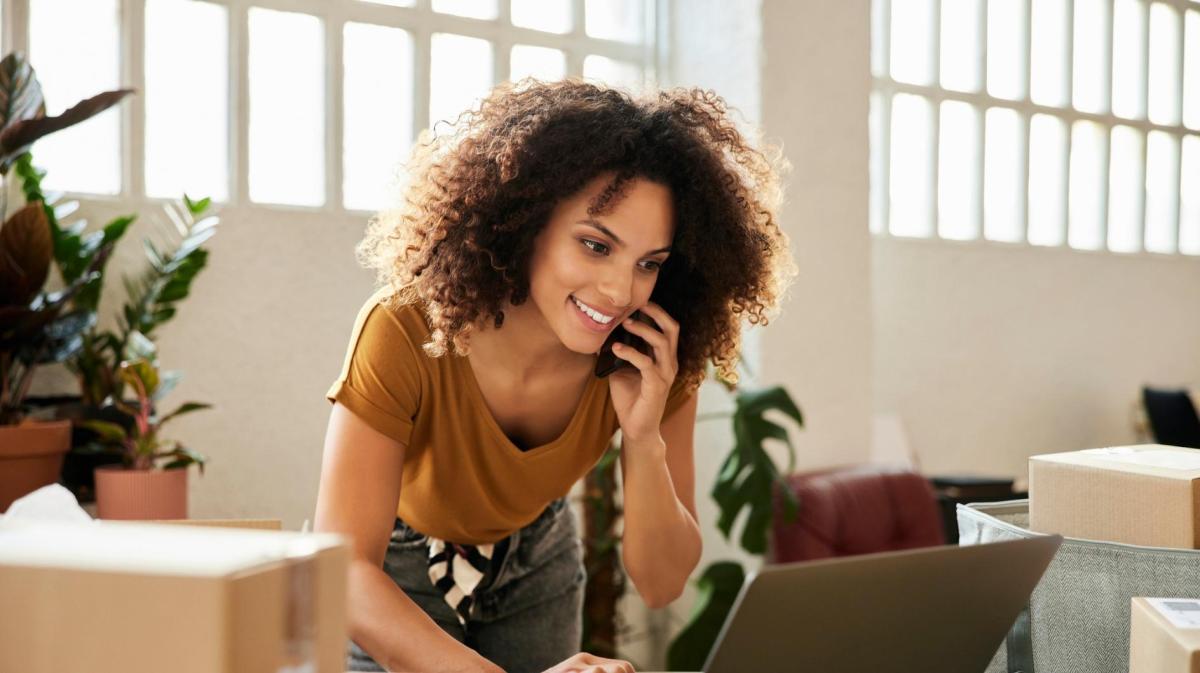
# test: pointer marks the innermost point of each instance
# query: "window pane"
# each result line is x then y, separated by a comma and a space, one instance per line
187, 99
1191, 70
1125, 184
460, 75
878, 68
1162, 191
877, 167
378, 111
1189, 216
1129, 59
1047, 180
544, 63
1049, 25
621, 20
1005, 45
552, 16
1087, 185
911, 170
961, 62
958, 172
73, 49
287, 108
474, 9
912, 52
612, 72
1003, 190
394, 3
1164, 64
1091, 55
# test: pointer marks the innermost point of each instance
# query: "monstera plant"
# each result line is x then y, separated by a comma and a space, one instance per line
748, 480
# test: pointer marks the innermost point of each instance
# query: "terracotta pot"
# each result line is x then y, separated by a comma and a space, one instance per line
141, 494
31, 456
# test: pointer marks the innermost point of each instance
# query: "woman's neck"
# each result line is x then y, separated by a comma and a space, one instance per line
524, 346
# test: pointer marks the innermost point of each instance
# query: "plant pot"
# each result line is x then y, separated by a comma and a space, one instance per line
31, 456
141, 494
79, 466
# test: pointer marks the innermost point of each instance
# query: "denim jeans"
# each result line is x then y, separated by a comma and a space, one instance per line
528, 612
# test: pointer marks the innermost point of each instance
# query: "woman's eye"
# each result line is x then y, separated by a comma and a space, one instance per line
652, 266
595, 246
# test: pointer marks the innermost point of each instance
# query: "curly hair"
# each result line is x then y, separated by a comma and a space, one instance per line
461, 238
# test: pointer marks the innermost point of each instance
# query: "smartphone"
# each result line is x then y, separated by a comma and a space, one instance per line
608, 362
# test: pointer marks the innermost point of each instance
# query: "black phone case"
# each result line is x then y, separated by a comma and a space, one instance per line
608, 362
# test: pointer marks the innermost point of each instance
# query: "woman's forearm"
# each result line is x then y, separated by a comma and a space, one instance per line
661, 545
397, 633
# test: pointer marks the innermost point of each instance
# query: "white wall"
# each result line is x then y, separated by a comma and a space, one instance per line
261, 337
816, 88
992, 353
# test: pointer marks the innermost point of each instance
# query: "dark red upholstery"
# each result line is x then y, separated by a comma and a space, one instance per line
859, 510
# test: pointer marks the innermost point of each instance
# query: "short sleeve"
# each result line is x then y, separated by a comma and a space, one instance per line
676, 396
380, 379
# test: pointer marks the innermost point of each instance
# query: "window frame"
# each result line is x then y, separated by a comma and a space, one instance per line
419, 20
884, 88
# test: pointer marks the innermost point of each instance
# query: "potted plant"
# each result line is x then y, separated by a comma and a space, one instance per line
174, 262
35, 329
151, 481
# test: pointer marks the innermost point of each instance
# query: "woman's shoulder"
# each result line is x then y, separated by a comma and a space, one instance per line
386, 312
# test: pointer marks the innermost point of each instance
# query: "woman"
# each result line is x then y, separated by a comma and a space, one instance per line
470, 400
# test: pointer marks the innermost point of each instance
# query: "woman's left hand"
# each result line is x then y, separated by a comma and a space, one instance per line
639, 397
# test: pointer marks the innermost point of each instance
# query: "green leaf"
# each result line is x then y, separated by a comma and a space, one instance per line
152, 252
108, 431
162, 315
184, 457
138, 347
185, 408
143, 372
65, 210
755, 403
166, 383
716, 592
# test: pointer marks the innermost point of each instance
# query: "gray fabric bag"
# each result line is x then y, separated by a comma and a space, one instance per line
1078, 617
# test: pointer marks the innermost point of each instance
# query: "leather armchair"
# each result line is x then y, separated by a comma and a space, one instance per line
857, 510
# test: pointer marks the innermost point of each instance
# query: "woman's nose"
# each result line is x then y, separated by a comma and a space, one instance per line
617, 287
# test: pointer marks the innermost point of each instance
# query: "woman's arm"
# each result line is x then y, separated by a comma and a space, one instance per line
661, 545
360, 486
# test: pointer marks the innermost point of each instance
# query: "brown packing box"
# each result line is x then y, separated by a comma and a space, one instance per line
1164, 635
141, 598
1144, 495
256, 524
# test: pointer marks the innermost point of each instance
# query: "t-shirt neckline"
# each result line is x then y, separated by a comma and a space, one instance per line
483, 410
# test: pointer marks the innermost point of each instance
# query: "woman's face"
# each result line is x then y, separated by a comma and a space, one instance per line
608, 262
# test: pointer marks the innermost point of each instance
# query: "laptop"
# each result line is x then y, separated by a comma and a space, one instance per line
931, 610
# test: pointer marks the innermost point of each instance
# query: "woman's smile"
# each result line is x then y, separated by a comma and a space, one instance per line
601, 325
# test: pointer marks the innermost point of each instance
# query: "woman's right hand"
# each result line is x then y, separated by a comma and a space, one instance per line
590, 663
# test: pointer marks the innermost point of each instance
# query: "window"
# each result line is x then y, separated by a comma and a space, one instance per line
295, 103
1042, 122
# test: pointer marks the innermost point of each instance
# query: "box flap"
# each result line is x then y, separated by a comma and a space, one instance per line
150, 548
1154, 460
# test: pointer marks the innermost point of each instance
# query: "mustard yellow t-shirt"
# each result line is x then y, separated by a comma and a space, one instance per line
463, 479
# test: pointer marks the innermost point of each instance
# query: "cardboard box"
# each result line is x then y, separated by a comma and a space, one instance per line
1145, 495
137, 597
1164, 635
256, 524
